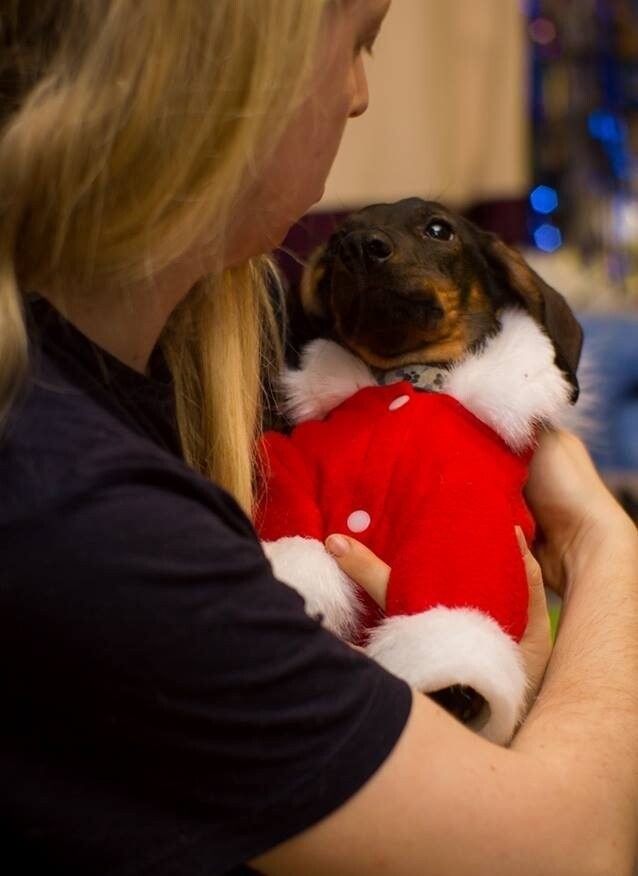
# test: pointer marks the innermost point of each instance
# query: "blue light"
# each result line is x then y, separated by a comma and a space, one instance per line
612, 132
606, 126
544, 199
548, 238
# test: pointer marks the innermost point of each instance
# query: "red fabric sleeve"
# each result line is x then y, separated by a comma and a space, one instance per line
288, 503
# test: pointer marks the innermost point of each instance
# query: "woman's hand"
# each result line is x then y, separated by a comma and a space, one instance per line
360, 564
574, 510
536, 644
371, 573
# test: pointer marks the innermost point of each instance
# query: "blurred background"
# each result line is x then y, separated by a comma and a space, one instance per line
522, 114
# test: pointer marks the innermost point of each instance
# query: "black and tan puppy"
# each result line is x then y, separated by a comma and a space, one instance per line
414, 282
442, 355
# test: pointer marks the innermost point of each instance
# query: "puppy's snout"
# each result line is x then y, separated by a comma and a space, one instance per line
365, 248
377, 246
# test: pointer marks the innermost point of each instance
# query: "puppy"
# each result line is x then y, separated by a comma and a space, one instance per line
442, 355
414, 283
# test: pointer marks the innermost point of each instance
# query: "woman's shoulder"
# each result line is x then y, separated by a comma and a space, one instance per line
70, 444
87, 498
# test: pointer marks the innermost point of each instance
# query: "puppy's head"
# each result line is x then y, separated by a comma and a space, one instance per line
414, 282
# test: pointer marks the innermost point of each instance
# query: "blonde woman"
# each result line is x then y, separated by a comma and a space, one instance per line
168, 707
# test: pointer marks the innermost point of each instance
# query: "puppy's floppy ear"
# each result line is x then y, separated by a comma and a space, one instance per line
315, 287
547, 306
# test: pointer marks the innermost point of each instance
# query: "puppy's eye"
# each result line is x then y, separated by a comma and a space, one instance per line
439, 230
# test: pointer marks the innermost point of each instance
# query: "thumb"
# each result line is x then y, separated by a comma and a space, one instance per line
537, 598
536, 644
360, 564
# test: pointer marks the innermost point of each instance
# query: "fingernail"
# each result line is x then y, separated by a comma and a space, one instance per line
522, 541
337, 545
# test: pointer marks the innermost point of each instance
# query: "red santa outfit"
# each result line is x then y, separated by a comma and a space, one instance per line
431, 481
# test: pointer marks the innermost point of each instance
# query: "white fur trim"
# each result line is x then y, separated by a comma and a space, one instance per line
306, 566
583, 418
444, 646
329, 375
513, 385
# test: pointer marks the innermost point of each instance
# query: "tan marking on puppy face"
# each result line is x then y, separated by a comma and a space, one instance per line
480, 315
449, 341
448, 296
310, 279
446, 340
448, 350
478, 299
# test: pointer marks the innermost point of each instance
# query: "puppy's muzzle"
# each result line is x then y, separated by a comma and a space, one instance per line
365, 250
378, 303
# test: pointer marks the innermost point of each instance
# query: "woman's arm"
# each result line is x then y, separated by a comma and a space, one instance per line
588, 705
563, 799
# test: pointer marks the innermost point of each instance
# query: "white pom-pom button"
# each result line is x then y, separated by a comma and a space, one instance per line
398, 402
358, 521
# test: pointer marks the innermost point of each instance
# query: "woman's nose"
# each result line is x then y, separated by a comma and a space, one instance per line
361, 95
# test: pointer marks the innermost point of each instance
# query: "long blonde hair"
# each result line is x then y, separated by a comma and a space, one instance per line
130, 131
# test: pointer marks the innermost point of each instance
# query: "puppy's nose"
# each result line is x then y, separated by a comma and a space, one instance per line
377, 246
365, 248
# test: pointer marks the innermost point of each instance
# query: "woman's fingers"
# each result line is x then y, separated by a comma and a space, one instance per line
360, 564
536, 644
364, 567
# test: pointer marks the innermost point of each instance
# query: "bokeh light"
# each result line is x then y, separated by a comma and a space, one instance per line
542, 31
605, 126
548, 238
544, 199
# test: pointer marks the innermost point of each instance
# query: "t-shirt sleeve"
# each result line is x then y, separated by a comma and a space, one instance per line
187, 715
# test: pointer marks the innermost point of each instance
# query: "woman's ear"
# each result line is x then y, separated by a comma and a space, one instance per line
547, 306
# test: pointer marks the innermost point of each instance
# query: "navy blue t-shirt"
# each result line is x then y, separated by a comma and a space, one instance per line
167, 705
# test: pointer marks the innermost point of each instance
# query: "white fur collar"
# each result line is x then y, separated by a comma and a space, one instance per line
512, 384
329, 374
